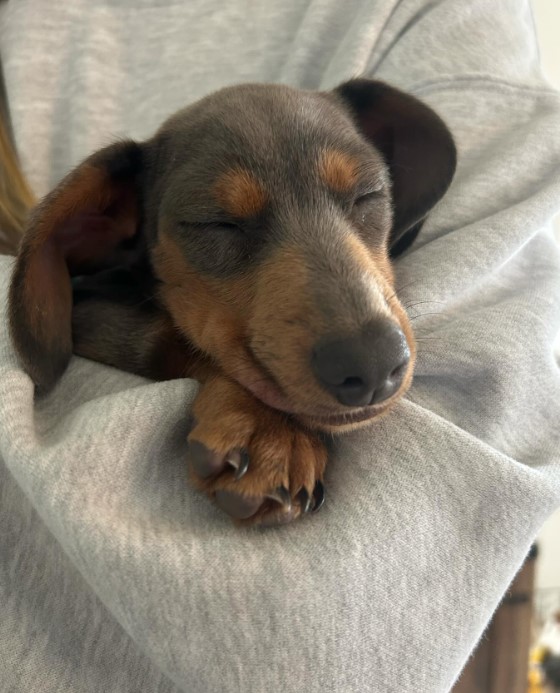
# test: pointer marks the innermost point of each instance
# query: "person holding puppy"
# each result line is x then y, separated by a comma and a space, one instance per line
116, 575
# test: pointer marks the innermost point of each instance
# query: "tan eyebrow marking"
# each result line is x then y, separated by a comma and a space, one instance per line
338, 170
240, 193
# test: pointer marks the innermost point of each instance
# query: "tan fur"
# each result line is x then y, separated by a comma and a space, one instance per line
88, 187
46, 288
285, 324
281, 452
208, 311
338, 170
89, 190
238, 319
214, 314
240, 193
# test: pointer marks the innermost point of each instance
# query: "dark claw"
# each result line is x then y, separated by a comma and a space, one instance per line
281, 495
243, 465
239, 461
239, 507
304, 500
318, 496
205, 462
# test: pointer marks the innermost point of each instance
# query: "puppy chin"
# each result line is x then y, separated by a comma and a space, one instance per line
250, 375
346, 421
271, 395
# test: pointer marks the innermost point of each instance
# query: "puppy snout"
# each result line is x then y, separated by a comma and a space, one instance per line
363, 369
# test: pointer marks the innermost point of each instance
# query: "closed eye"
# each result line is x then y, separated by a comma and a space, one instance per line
369, 197
213, 226
228, 226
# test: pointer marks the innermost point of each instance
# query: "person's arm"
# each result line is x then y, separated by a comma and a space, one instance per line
429, 513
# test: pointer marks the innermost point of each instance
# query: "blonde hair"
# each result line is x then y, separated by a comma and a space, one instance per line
16, 198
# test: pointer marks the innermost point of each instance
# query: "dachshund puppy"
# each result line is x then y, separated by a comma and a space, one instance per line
247, 245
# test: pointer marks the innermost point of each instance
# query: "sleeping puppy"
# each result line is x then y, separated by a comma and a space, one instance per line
247, 245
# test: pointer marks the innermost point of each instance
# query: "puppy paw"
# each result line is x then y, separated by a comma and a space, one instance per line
257, 464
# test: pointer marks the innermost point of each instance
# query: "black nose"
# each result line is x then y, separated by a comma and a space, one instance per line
366, 368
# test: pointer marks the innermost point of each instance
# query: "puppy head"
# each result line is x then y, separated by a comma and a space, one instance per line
268, 215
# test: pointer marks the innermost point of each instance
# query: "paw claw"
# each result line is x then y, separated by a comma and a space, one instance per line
242, 464
304, 500
282, 496
318, 496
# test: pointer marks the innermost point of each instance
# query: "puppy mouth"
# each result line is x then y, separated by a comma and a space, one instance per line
267, 391
255, 377
345, 419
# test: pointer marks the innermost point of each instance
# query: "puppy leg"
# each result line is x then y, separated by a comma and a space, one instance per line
258, 464
117, 321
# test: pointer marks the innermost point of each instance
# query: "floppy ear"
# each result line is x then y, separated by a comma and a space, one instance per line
413, 140
81, 226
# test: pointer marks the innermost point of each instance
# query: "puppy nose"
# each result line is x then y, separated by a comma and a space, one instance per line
363, 369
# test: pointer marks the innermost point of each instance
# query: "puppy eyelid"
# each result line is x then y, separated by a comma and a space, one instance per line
367, 196
229, 225
211, 225
370, 190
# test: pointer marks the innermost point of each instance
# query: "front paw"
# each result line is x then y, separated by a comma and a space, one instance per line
256, 463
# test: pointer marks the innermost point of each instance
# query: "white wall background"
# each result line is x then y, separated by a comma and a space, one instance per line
547, 19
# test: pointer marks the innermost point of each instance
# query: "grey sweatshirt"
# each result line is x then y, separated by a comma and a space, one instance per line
115, 577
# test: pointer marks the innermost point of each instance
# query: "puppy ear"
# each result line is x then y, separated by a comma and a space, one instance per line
413, 140
78, 228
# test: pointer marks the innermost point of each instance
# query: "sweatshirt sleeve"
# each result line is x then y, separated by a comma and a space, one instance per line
425, 41
117, 576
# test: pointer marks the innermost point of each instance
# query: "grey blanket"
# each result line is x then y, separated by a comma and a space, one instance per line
115, 577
